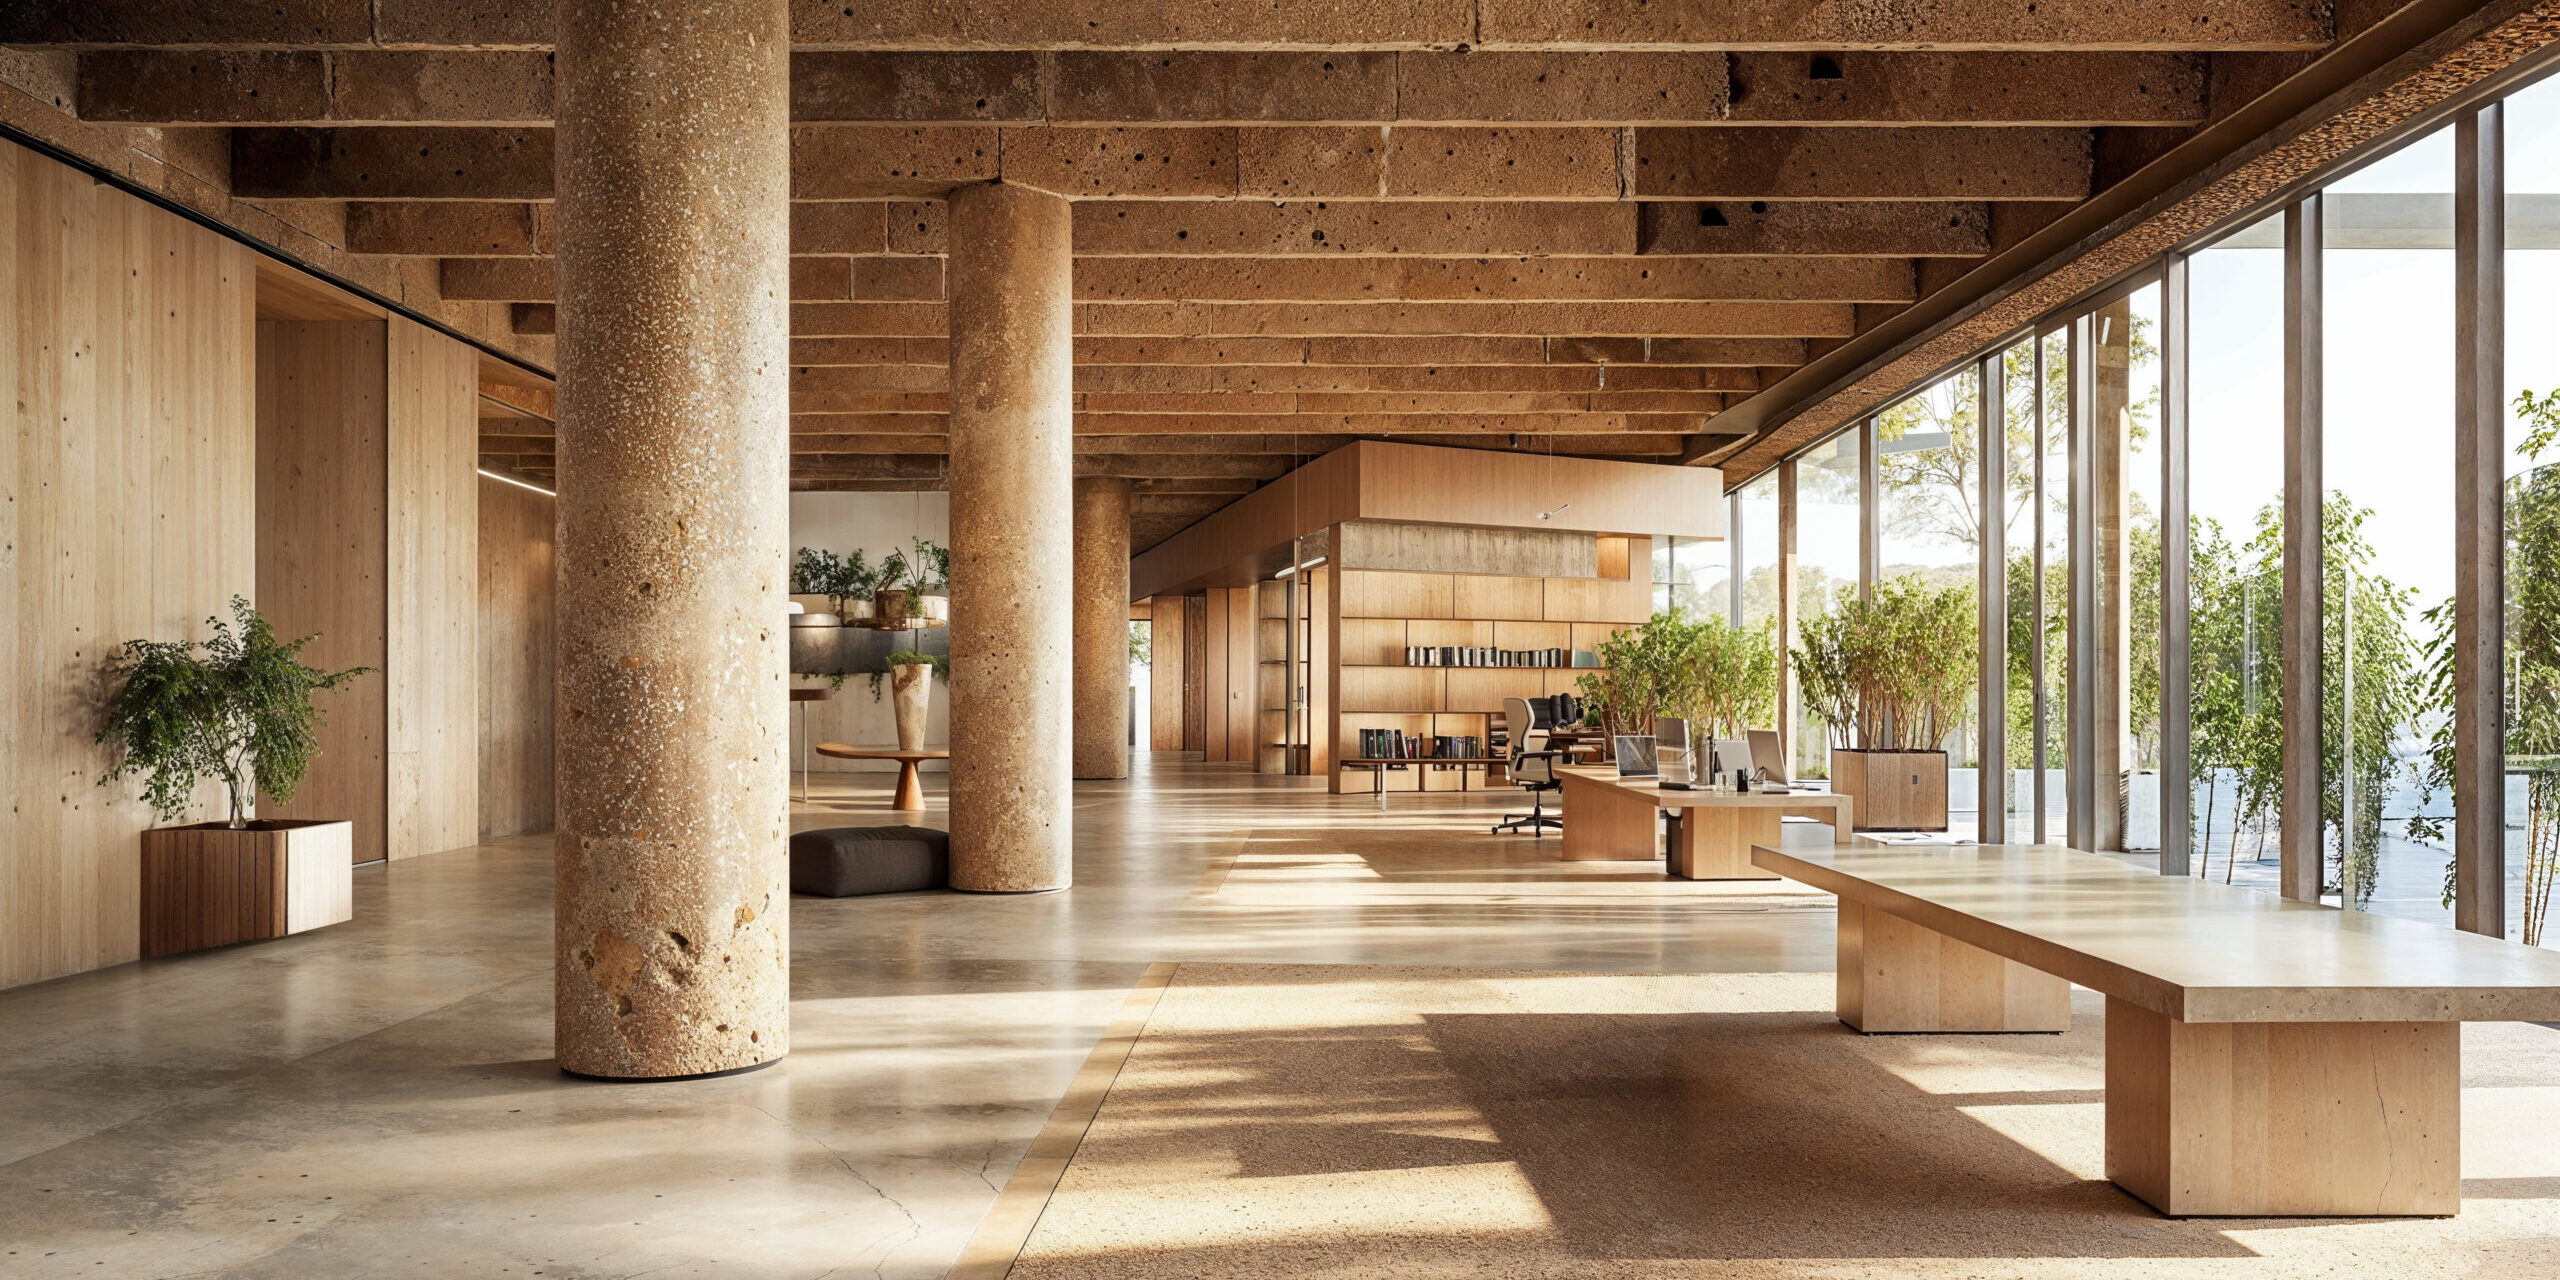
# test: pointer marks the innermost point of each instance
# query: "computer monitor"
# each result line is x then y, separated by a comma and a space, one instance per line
1726, 756
1766, 763
1671, 756
1635, 755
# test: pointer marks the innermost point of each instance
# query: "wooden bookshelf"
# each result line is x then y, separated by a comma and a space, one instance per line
1383, 611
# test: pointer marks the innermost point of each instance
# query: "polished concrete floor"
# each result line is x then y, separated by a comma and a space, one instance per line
378, 1098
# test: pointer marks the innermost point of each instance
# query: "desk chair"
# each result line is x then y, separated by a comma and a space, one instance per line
1532, 766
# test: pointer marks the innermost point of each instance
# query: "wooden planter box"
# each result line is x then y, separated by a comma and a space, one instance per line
207, 885
1893, 790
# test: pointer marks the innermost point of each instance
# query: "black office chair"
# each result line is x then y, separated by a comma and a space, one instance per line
1532, 765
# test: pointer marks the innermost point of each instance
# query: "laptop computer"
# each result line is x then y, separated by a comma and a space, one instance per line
1635, 755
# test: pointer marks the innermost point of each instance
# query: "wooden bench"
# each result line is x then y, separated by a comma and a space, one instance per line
2264, 1057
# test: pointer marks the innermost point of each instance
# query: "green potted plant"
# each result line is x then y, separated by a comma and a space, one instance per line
890, 590
911, 693
850, 587
1892, 677
931, 564
236, 710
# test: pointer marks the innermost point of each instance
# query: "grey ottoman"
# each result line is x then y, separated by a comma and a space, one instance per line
848, 862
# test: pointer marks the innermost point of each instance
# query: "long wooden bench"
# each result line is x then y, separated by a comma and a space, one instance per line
2264, 1057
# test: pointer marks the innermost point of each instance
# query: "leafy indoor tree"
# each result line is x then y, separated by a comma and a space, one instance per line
240, 711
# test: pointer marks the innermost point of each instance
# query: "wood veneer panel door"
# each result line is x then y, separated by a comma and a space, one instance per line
517, 531
432, 574
323, 541
126, 341
1165, 681
1195, 673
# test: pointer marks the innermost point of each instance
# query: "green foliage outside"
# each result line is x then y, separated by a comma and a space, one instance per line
2532, 678
236, 708
1142, 649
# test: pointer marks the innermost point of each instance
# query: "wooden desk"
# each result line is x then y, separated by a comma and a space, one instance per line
2264, 1057
1612, 819
910, 793
1377, 767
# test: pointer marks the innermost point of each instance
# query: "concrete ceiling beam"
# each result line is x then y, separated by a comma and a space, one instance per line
1187, 379
1383, 319
1282, 163
1212, 24
378, 87
1387, 354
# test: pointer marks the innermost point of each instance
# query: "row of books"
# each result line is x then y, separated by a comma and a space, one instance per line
1396, 744
1459, 655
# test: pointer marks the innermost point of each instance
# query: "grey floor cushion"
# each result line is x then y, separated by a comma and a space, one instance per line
847, 862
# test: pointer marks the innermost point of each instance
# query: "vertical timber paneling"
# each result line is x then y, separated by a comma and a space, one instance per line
1243, 675
432, 646
1216, 677
126, 511
1166, 682
516, 541
322, 411
1195, 675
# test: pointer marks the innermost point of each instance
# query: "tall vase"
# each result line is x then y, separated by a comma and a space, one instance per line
910, 695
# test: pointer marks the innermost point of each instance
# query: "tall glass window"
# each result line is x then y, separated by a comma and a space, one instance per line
1689, 575
2387, 524
2050, 801
2532, 126
2235, 574
1757, 515
2138, 403
1929, 529
1827, 508
2018, 700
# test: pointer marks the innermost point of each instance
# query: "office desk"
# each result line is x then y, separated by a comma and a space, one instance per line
1612, 819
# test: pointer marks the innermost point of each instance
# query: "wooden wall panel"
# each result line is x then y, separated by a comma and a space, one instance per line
1373, 689
1378, 593
1370, 641
517, 530
1532, 635
1323, 638
1214, 675
1615, 562
322, 411
1164, 678
1195, 672
126, 337
1598, 600
1485, 596
1484, 688
1242, 668
1434, 632
432, 645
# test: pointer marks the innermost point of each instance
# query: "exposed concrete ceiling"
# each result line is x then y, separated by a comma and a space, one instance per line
1577, 225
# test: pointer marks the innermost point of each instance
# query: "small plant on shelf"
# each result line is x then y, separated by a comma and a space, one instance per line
236, 708
930, 563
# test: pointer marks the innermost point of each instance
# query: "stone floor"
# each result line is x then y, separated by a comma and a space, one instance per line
378, 1099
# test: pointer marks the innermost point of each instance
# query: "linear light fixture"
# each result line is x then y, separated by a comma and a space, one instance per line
521, 484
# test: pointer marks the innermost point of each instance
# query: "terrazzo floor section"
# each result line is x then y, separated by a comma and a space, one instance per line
378, 1099
1330, 1121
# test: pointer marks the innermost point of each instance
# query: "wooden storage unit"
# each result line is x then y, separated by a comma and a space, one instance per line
207, 885
1894, 790
1383, 611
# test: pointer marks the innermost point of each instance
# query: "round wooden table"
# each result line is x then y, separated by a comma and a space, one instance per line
910, 794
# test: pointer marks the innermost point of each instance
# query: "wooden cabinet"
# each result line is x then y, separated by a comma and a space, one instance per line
1894, 790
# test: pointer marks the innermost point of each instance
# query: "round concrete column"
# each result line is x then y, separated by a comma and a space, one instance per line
1102, 627
673, 179
1012, 569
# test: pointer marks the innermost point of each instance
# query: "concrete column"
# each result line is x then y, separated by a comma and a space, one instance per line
1102, 627
1012, 570
673, 174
